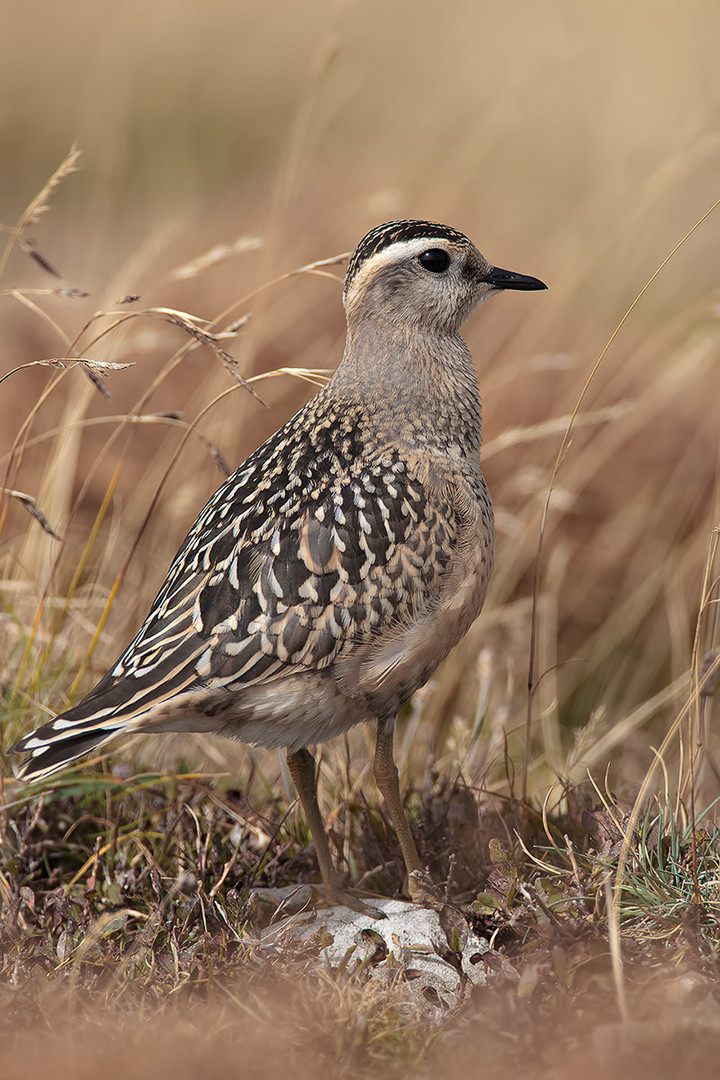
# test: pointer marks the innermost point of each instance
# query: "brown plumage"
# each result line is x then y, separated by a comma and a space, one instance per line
328, 576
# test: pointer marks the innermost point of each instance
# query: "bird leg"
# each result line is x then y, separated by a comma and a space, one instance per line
301, 764
302, 769
386, 778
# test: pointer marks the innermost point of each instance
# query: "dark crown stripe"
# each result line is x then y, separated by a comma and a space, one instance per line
393, 232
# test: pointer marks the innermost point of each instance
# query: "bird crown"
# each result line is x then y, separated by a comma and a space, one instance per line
393, 232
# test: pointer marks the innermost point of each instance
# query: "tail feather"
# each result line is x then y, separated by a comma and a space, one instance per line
115, 705
48, 756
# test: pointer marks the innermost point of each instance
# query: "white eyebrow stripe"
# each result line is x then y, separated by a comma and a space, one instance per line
399, 249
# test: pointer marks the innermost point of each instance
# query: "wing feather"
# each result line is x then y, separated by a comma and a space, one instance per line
311, 549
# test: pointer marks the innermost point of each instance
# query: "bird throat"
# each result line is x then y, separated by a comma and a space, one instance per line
420, 389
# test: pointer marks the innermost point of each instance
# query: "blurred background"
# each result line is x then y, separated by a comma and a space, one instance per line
225, 145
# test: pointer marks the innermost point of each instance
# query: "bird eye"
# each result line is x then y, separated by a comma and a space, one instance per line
436, 260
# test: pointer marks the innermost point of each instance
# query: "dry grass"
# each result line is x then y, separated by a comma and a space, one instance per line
258, 1032
581, 150
127, 922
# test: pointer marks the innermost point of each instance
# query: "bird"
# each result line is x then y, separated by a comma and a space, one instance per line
329, 575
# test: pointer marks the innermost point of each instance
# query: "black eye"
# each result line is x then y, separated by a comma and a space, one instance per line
436, 260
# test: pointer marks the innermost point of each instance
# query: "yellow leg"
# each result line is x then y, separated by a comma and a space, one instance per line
302, 769
386, 778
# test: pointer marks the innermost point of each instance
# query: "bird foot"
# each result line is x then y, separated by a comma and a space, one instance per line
339, 895
423, 891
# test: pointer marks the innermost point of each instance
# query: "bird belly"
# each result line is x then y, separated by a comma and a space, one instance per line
290, 711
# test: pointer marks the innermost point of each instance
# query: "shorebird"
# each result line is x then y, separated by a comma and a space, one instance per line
327, 578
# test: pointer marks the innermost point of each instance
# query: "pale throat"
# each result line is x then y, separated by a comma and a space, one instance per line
426, 378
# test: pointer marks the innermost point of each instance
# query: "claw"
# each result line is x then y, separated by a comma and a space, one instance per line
352, 898
423, 891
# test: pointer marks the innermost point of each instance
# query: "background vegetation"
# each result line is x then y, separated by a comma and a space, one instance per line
225, 146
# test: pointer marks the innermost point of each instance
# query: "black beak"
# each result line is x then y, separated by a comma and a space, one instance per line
506, 279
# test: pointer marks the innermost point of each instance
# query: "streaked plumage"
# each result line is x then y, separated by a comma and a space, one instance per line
328, 576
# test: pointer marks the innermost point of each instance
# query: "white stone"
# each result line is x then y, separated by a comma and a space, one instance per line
407, 950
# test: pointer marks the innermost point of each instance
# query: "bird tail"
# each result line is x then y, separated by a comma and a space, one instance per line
89, 724
111, 709
51, 752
